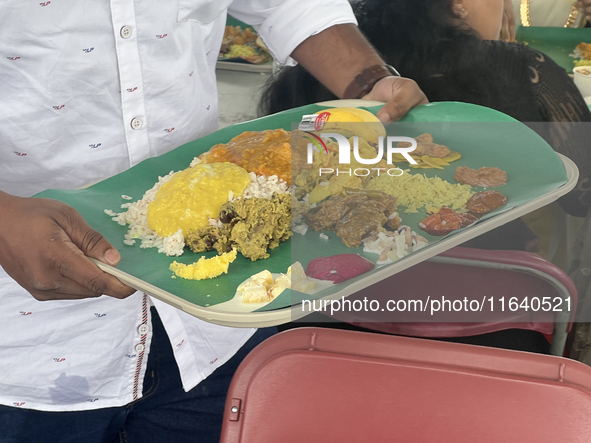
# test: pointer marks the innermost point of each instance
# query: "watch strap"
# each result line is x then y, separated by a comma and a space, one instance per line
364, 82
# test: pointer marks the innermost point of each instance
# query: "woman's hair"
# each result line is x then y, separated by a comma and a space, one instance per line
423, 39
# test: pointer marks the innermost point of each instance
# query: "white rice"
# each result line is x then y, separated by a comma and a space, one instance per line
136, 213
263, 187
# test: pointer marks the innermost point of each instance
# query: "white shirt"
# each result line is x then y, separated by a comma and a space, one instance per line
88, 89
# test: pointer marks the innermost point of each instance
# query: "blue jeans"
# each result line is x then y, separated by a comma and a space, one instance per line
165, 413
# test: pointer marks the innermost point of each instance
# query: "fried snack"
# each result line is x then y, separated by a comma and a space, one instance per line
428, 154
485, 176
354, 217
251, 226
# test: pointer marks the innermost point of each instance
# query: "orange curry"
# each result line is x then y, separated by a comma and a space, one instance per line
262, 152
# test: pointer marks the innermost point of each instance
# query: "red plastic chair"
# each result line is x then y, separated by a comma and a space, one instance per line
478, 274
320, 385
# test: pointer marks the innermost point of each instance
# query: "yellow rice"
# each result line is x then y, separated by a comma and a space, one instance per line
415, 191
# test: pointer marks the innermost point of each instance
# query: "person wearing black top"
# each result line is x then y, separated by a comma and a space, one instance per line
448, 48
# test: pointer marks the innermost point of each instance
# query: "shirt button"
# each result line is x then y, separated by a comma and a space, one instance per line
136, 123
139, 348
143, 329
125, 31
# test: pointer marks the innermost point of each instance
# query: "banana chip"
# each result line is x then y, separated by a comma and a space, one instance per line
426, 161
430, 161
452, 156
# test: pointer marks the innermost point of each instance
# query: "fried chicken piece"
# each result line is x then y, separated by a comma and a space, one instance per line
485, 176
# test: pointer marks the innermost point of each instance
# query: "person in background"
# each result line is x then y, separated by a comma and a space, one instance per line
551, 13
451, 50
89, 89
585, 7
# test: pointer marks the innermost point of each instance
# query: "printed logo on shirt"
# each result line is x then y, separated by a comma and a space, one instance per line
44, 3
180, 344
87, 50
161, 35
93, 146
92, 400
13, 58
131, 355
20, 403
20, 154
57, 108
25, 313
213, 361
191, 74
131, 89
96, 313
58, 360
169, 130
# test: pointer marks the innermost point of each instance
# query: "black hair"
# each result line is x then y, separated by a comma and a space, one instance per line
423, 39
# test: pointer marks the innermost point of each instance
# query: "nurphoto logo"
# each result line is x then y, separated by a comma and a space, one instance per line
316, 123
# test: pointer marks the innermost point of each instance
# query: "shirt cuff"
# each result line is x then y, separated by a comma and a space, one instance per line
292, 22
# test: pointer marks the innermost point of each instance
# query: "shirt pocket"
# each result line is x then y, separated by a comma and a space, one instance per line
201, 11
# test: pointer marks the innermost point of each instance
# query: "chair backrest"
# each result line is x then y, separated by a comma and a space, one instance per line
317, 385
473, 273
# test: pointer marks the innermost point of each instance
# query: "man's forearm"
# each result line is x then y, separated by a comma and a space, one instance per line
336, 55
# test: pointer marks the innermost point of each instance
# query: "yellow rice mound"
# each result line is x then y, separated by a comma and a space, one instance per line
415, 191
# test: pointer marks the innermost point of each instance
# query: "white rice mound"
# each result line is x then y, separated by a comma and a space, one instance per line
136, 213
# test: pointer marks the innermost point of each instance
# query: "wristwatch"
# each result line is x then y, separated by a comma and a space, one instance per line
364, 82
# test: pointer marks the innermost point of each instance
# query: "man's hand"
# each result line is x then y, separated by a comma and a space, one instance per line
338, 54
400, 95
585, 6
508, 25
44, 245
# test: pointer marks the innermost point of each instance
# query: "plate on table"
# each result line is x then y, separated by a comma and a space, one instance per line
484, 137
225, 61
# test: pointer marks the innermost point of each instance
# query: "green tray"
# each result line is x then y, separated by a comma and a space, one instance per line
557, 43
492, 139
